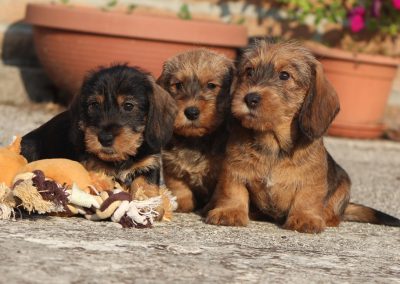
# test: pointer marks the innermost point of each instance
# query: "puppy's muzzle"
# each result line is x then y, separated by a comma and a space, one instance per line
192, 113
106, 139
252, 100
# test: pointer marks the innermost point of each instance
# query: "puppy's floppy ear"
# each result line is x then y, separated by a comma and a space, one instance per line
319, 107
164, 77
228, 85
234, 81
75, 116
161, 117
75, 107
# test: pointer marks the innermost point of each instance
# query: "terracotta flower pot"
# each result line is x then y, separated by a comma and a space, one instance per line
69, 41
363, 83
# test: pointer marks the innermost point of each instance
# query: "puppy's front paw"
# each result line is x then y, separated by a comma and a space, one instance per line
305, 223
227, 217
185, 204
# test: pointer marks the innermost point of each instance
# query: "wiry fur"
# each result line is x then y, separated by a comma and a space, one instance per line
126, 144
276, 160
200, 79
121, 103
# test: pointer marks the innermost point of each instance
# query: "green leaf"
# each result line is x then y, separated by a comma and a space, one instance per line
331, 18
65, 2
241, 21
112, 3
372, 25
305, 5
319, 13
393, 29
130, 8
184, 12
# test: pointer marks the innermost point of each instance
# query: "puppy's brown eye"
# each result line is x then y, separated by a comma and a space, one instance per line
179, 86
211, 86
249, 72
284, 75
128, 106
93, 105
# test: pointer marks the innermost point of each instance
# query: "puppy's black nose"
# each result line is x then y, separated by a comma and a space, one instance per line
106, 139
252, 99
192, 113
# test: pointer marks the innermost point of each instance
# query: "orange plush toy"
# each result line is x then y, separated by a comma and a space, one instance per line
65, 187
11, 162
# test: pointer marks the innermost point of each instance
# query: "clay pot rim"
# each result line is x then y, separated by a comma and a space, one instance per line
328, 52
144, 26
357, 130
364, 126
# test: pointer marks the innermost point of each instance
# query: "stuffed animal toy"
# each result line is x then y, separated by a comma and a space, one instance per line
64, 187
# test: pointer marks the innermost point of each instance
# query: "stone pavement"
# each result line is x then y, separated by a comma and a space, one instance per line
73, 250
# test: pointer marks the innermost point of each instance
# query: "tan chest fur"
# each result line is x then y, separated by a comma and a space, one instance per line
194, 166
271, 178
143, 165
266, 185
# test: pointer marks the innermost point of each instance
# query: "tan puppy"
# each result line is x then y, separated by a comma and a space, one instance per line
200, 82
276, 158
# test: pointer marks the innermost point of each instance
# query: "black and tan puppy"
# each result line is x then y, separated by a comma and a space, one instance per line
117, 124
276, 159
200, 82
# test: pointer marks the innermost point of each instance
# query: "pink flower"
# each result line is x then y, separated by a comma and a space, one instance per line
396, 4
356, 23
358, 11
376, 8
356, 19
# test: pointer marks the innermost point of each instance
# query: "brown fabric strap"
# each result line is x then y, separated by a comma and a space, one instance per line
121, 196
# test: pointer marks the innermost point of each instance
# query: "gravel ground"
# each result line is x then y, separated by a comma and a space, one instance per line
74, 250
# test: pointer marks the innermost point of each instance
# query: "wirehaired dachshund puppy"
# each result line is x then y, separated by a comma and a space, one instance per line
117, 124
200, 82
276, 160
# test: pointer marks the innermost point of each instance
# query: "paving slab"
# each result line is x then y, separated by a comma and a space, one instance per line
20, 119
73, 250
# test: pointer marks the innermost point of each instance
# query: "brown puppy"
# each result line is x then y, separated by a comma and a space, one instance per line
200, 82
276, 159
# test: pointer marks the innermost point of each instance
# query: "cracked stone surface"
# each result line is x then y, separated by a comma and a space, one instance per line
41, 249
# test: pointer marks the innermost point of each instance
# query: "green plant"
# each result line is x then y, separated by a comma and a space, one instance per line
379, 17
130, 8
184, 12
300, 10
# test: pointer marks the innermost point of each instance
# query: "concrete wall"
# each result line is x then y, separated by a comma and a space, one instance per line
395, 95
22, 79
